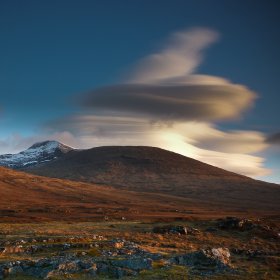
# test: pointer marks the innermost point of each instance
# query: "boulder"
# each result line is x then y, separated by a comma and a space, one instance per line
15, 270
133, 263
171, 229
214, 259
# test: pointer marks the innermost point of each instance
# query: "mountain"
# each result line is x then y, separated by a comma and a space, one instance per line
38, 153
154, 170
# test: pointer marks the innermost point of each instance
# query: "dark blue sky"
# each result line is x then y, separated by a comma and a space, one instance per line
53, 50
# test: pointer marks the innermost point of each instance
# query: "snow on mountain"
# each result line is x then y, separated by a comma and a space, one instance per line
38, 153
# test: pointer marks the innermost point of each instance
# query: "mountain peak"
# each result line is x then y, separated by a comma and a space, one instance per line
50, 145
38, 153
45, 144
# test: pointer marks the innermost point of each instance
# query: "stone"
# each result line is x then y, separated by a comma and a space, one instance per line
133, 263
235, 223
217, 259
118, 244
15, 270
171, 229
211, 229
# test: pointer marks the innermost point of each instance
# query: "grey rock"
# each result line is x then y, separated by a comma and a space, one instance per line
171, 229
235, 223
133, 263
15, 270
216, 259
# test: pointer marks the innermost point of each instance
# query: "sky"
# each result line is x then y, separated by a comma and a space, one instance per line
199, 78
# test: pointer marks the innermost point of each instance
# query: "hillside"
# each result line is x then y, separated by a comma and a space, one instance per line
25, 197
148, 169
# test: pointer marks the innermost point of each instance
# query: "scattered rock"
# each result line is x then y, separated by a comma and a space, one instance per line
176, 229
15, 270
211, 229
133, 263
118, 244
170, 229
13, 249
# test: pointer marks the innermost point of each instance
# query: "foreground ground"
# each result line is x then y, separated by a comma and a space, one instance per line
189, 249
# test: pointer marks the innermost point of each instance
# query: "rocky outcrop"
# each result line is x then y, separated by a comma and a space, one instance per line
62, 266
175, 229
212, 260
235, 223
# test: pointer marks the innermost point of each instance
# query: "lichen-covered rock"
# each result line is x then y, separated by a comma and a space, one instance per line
133, 263
171, 229
215, 259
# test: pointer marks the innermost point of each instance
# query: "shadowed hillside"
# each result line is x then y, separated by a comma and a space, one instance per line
149, 169
25, 197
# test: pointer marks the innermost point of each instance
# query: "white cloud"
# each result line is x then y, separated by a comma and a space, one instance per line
202, 98
180, 57
202, 141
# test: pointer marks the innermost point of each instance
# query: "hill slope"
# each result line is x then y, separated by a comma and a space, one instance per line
139, 168
26, 197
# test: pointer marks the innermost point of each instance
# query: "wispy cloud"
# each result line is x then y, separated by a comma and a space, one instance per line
181, 55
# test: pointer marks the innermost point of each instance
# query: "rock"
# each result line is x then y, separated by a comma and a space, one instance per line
66, 268
13, 249
69, 267
102, 267
92, 270
193, 231
15, 270
268, 232
118, 272
118, 244
211, 229
133, 263
235, 223
215, 259
171, 229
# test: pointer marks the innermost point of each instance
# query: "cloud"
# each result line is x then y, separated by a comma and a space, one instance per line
164, 104
181, 56
163, 87
207, 136
197, 98
187, 138
273, 139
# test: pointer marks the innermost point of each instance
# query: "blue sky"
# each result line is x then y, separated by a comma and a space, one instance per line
54, 52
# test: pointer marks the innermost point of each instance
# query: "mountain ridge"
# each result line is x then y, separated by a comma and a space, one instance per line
149, 169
